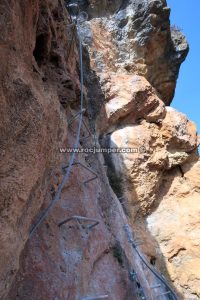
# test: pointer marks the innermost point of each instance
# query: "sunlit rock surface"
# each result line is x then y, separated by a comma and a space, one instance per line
131, 62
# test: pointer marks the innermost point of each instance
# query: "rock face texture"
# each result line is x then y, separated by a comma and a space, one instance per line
129, 98
175, 226
131, 63
138, 39
160, 148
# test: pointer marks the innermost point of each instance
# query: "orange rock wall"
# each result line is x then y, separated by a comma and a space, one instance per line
131, 63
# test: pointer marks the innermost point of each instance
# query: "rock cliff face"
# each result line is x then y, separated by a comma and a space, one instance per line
131, 63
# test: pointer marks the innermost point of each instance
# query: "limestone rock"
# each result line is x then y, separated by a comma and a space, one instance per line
131, 96
131, 62
178, 131
140, 181
175, 226
165, 146
138, 39
40, 89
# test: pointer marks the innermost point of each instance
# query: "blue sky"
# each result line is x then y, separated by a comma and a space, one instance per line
186, 15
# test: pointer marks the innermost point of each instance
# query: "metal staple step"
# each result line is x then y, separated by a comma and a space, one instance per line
81, 219
155, 286
85, 167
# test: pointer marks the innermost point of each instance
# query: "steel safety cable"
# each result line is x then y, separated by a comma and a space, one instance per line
153, 270
72, 158
156, 273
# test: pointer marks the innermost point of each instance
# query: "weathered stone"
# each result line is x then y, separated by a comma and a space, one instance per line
165, 146
131, 63
178, 131
175, 226
132, 97
138, 39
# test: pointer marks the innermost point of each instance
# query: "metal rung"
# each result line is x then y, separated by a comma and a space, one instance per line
138, 243
95, 297
166, 293
86, 127
80, 219
147, 264
88, 130
76, 115
88, 169
137, 240
155, 286
89, 133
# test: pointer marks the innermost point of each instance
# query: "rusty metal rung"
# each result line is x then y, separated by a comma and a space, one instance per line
80, 219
